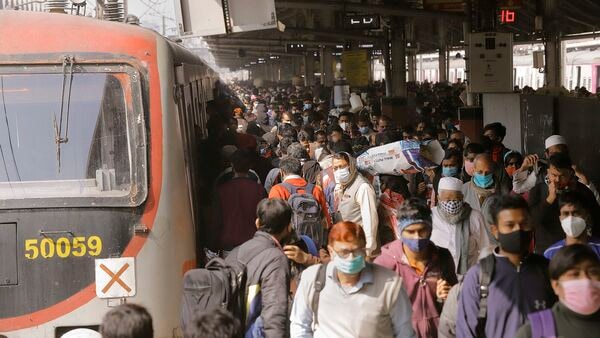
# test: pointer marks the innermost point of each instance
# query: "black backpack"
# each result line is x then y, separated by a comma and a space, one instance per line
219, 284
307, 219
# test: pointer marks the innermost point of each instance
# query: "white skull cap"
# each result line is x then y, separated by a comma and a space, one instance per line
555, 140
450, 184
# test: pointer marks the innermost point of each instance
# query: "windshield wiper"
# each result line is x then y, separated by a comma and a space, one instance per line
68, 62
12, 150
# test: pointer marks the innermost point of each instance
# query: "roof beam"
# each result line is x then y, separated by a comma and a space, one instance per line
334, 34
234, 40
393, 10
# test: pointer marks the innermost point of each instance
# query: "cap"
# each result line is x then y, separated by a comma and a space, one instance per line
228, 151
555, 140
82, 333
450, 184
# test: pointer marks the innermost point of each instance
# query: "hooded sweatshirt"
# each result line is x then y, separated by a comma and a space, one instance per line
421, 288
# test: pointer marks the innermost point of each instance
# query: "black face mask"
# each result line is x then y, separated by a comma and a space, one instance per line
516, 242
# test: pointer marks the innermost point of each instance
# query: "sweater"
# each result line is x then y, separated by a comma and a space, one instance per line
568, 324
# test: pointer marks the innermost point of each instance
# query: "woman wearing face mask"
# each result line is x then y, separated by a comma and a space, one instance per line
575, 278
471, 151
575, 221
355, 200
426, 269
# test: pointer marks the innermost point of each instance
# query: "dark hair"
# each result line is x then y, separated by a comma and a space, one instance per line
290, 165
457, 143
431, 131
575, 198
497, 128
560, 161
386, 137
505, 202
274, 215
473, 148
414, 208
241, 161
335, 128
396, 183
309, 131
569, 256
285, 143
303, 136
127, 320
340, 146
297, 150
321, 133
218, 323
453, 153
513, 154
286, 130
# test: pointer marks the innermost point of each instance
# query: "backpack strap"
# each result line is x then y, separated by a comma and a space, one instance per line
319, 286
308, 189
542, 324
486, 271
292, 189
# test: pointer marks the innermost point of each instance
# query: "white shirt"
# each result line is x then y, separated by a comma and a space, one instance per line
444, 235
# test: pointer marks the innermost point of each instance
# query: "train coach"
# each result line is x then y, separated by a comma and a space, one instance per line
97, 126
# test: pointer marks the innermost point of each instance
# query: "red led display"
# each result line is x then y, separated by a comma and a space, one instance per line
507, 16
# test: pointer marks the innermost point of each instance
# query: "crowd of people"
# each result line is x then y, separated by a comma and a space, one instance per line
489, 243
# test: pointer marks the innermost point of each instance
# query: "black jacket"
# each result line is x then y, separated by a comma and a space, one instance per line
546, 216
270, 270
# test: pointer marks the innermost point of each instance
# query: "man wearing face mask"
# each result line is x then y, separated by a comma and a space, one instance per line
457, 227
515, 283
543, 199
484, 182
345, 121
426, 269
350, 297
355, 200
575, 222
575, 278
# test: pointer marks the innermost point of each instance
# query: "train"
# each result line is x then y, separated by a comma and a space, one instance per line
98, 122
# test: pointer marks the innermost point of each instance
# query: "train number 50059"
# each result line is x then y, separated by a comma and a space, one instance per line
63, 247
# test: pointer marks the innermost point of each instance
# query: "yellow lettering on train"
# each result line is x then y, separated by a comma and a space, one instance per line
63, 247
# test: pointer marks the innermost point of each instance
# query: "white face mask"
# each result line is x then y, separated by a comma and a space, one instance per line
573, 226
343, 125
342, 175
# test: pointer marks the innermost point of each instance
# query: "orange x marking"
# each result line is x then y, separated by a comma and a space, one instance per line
115, 277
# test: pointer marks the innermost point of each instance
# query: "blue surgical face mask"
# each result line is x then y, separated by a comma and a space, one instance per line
351, 266
450, 172
364, 130
416, 244
483, 181
307, 106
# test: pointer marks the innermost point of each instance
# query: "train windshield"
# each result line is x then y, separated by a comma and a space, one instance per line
70, 137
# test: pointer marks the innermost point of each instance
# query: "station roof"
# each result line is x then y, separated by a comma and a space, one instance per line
316, 23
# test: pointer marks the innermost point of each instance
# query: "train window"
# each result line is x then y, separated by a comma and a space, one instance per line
70, 139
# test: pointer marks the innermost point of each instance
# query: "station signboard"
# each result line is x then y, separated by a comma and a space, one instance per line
362, 21
490, 62
355, 65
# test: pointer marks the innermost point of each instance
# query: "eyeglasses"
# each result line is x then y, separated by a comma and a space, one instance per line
346, 253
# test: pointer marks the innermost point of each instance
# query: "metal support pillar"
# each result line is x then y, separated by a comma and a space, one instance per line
412, 67
467, 38
554, 52
387, 62
326, 67
442, 59
399, 60
309, 69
